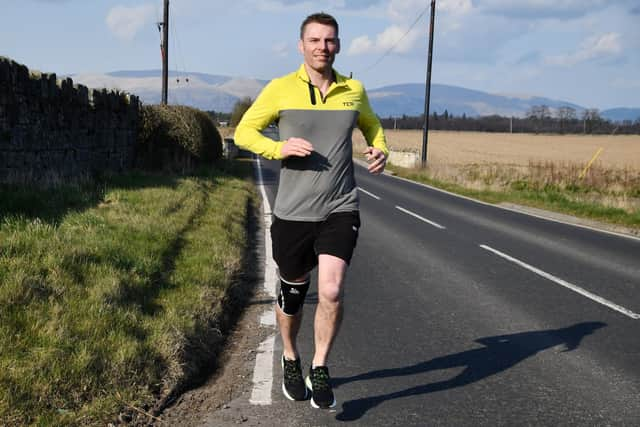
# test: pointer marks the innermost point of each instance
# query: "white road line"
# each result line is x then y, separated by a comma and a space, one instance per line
265, 200
566, 284
435, 224
368, 193
268, 318
263, 370
263, 373
270, 276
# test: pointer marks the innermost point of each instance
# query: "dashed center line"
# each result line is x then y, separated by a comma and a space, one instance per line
421, 218
368, 193
566, 284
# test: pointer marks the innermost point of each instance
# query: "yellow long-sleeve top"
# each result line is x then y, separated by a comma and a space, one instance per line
315, 186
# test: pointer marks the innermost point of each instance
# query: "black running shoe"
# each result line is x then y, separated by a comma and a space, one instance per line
319, 383
292, 384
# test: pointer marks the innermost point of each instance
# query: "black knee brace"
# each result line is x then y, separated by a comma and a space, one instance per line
291, 296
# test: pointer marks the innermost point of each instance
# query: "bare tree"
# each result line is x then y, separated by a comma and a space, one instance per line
591, 117
591, 114
566, 113
239, 109
565, 116
539, 112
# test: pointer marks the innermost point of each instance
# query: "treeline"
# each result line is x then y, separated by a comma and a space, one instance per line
219, 117
539, 119
232, 118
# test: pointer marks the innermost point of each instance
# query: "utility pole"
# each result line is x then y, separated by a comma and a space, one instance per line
427, 93
165, 52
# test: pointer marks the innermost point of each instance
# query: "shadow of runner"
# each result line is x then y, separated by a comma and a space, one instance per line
50, 204
499, 354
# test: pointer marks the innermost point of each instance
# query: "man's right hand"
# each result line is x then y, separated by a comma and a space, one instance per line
297, 147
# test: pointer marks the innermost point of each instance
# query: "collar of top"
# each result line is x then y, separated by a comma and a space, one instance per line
340, 80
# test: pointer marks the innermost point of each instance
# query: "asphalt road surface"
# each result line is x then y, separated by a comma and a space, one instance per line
459, 313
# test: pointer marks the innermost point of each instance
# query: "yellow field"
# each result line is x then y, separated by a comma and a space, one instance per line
458, 148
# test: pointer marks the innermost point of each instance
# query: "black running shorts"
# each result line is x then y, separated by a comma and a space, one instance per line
297, 244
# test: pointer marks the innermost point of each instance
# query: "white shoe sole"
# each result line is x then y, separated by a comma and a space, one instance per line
307, 382
284, 389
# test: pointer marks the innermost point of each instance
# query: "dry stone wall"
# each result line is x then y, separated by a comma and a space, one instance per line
51, 129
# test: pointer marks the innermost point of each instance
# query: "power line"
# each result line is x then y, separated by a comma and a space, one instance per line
165, 52
384, 55
179, 52
175, 90
174, 93
182, 76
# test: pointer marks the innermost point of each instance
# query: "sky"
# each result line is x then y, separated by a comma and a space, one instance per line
582, 51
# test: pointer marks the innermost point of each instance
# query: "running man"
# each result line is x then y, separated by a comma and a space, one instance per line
316, 217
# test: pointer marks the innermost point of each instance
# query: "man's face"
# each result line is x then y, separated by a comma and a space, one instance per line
319, 46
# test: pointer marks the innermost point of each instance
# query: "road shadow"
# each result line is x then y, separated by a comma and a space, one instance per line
498, 354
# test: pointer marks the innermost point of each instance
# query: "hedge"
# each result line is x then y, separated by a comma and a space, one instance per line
176, 137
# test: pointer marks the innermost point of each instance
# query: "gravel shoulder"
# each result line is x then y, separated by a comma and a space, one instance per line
232, 379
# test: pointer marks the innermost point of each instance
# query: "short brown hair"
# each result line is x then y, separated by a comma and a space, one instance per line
320, 18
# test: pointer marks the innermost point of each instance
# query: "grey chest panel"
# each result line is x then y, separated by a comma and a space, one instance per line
313, 187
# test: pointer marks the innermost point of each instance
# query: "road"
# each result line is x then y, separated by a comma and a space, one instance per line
461, 313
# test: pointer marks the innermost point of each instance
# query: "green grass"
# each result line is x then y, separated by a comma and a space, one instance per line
109, 294
578, 200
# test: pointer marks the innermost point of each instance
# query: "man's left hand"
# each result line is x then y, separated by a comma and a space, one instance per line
377, 160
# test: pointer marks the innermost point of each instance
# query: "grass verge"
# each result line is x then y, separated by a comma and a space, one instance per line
543, 186
110, 295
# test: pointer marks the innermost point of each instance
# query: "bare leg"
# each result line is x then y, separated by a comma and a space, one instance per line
331, 273
289, 327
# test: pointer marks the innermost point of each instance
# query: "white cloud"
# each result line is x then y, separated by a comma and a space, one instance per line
395, 37
125, 22
360, 45
455, 6
402, 10
402, 13
541, 9
596, 47
279, 5
407, 10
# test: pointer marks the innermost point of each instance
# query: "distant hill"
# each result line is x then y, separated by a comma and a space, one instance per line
203, 91
220, 93
409, 99
207, 78
621, 114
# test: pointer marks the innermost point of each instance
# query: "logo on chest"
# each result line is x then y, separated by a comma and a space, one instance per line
348, 104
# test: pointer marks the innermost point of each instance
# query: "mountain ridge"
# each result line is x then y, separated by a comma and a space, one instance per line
220, 93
